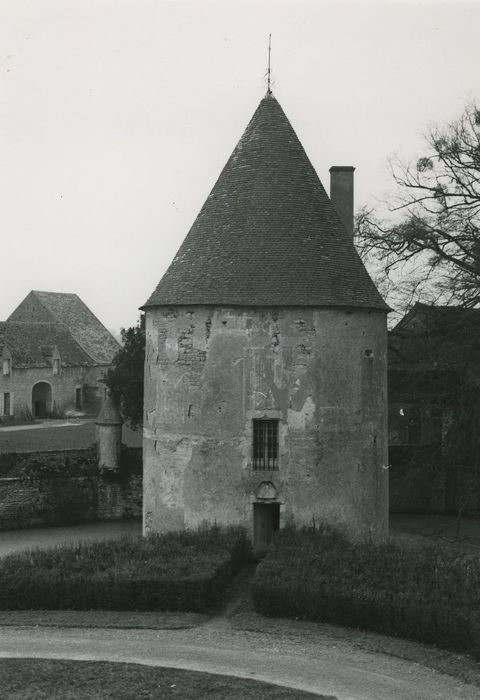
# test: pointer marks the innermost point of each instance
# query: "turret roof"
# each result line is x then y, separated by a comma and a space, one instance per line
268, 234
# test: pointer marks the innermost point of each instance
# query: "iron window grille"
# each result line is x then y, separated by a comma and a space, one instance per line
265, 445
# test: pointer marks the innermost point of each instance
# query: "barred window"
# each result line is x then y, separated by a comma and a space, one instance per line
265, 444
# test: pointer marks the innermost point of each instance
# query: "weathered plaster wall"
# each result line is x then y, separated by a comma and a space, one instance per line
21, 381
209, 372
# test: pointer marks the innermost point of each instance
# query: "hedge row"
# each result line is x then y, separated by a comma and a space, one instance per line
175, 571
427, 594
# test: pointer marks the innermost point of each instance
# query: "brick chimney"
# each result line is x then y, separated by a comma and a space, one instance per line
341, 193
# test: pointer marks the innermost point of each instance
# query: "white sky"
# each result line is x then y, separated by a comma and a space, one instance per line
116, 117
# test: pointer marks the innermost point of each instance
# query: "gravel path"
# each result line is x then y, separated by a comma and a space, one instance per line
320, 665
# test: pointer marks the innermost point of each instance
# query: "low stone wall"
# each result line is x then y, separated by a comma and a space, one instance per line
61, 488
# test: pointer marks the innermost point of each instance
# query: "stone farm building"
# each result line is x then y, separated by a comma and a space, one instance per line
265, 376
54, 351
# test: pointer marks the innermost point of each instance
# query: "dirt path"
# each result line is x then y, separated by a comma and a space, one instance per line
319, 665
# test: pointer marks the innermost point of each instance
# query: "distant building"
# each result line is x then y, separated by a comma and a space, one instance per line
265, 378
434, 410
434, 375
53, 353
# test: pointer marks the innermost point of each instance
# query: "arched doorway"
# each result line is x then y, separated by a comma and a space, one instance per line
41, 399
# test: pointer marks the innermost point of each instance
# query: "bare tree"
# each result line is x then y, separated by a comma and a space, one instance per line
431, 248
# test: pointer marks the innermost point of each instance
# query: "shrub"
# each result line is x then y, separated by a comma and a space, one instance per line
426, 594
175, 571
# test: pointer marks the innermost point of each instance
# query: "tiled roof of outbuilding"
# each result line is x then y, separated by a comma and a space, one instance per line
69, 309
435, 337
268, 234
32, 344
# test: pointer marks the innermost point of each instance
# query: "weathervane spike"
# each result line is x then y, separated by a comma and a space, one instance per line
269, 92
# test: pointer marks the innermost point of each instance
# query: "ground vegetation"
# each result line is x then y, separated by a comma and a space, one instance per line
34, 679
176, 571
424, 593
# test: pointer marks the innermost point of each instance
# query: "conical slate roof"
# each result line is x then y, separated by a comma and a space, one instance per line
268, 234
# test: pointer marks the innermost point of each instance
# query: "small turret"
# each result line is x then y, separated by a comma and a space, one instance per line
109, 434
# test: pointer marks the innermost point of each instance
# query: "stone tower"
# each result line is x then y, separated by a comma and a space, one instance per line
109, 434
265, 375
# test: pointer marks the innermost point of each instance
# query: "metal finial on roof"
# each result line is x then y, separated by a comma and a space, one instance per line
269, 72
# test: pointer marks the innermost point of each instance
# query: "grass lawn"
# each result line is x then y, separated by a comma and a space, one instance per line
38, 679
58, 437
71, 437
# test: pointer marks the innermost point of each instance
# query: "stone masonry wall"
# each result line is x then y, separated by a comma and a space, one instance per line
321, 372
21, 381
39, 496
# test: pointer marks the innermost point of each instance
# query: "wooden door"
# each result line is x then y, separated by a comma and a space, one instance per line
39, 409
266, 521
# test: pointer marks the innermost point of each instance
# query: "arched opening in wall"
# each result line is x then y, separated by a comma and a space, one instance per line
41, 399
